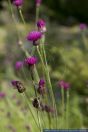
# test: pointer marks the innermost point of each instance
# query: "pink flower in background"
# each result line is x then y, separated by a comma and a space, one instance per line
38, 2
30, 61
2, 95
64, 84
83, 26
18, 65
17, 2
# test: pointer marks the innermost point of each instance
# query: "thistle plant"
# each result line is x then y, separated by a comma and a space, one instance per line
43, 100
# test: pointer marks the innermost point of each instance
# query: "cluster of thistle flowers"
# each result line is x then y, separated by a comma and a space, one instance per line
31, 61
34, 37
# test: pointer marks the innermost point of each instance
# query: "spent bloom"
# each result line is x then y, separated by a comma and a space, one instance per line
41, 24
38, 2
18, 65
34, 36
17, 2
18, 85
36, 103
64, 84
30, 61
82, 26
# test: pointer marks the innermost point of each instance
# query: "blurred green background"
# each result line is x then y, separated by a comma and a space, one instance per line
67, 55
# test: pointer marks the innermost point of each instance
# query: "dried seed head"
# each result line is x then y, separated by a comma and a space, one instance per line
36, 103
19, 86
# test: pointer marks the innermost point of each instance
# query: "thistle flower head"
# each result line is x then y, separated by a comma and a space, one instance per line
18, 65
30, 61
41, 87
41, 83
64, 84
17, 2
34, 36
82, 26
18, 85
38, 2
41, 24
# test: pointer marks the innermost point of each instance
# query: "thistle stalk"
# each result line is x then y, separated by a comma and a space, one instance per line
67, 109
63, 105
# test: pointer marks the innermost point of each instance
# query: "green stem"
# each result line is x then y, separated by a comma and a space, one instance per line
67, 109
48, 76
21, 15
38, 116
26, 99
63, 105
84, 41
37, 15
41, 58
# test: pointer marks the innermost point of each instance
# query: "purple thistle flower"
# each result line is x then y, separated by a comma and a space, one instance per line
41, 87
38, 2
14, 83
83, 26
17, 2
30, 61
18, 65
41, 83
34, 36
41, 24
64, 84
2, 95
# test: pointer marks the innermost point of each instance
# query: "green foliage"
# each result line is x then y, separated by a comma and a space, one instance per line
66, 11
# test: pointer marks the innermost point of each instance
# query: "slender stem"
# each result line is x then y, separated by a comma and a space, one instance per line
37, 14
63, 105
21, 15
26, 99
48, 79
84, 41
39, 120
67, 109
15, 22
45, 75
38, 116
